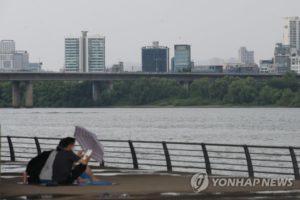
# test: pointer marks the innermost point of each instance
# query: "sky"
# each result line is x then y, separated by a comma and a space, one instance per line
214, 28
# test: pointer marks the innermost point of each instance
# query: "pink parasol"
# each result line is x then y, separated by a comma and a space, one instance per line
88, 140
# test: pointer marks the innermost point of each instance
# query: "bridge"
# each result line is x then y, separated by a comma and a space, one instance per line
28, 77
52, 76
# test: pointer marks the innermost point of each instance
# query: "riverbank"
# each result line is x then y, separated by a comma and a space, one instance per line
160, 106
225, 91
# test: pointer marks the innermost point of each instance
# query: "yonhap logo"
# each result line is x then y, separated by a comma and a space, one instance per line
199, 182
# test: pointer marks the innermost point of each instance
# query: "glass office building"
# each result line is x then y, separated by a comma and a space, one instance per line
182, 58
155, 58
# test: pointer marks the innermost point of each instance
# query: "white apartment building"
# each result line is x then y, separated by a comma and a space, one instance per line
6, 61
295, 64
72, 63
266, 66
95, 53
7, 50
245, 56
292, 32
85, 54
7, 46
295, 60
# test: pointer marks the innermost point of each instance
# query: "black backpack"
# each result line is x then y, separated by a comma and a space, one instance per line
35, 166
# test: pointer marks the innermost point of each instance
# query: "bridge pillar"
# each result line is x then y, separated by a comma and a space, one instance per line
96, 91
16, 96
110, 85
28, 94
185, 84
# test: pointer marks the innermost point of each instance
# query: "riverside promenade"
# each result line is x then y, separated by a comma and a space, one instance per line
159, 170
142, 185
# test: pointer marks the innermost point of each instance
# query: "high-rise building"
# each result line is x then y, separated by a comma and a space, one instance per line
7, 50
6, 61
282, 62
155, 58
85, 54
292, 32
295, 60
7, 46
72, 54
21, 60
245, 56
95, 55
12, 59
182, 58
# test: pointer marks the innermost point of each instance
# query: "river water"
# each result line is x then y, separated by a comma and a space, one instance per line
265, 126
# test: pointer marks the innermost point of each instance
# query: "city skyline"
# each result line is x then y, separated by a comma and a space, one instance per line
12, 59
259, 32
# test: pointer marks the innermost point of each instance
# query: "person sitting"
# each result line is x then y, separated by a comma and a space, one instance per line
58, 167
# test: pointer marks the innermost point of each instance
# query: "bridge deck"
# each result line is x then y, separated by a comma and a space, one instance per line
31, 76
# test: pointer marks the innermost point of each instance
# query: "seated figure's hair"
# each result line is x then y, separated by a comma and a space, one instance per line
65, 142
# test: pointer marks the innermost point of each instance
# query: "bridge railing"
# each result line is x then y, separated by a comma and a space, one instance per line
213, 159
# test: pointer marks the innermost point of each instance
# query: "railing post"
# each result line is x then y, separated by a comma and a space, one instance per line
0, 152
249, 161
11, 149
37, 144
295, 163
206, 159
167, 155
133, 155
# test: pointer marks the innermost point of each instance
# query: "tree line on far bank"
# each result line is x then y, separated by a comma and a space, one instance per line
227, 91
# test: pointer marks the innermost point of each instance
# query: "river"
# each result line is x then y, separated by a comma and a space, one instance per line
265, 126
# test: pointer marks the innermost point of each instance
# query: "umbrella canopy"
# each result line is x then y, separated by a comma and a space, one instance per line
88, 140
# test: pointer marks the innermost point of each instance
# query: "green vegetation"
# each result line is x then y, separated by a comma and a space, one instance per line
227, 91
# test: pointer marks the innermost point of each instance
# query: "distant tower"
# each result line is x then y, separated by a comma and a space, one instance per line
292, 32
83, 64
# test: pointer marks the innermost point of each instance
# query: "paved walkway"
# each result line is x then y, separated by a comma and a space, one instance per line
138, 185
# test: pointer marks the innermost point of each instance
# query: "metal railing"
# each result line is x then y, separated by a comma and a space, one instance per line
213, 159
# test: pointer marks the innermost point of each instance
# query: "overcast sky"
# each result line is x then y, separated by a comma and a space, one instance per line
214, 28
